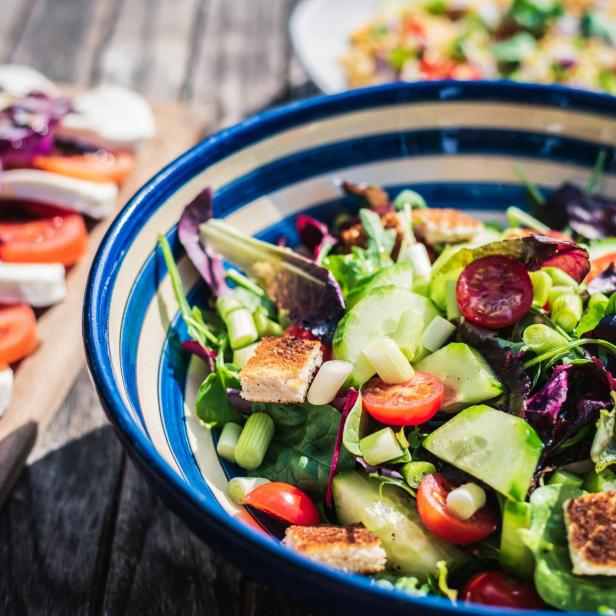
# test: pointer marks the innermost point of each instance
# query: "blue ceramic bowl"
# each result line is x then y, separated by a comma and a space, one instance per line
456, 143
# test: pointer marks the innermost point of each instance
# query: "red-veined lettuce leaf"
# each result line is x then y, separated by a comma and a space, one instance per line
313, 234
209, 265
308, 291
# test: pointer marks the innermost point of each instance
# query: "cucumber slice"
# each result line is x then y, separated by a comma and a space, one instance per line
497, 448
376, 315
514, 557
391, 515
398, 275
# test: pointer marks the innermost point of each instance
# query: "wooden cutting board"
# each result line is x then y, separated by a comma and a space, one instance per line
43, 379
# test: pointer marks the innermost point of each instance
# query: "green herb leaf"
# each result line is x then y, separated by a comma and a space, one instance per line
212, 405
302, 448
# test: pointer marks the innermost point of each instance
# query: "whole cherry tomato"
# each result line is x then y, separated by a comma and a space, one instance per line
496, 588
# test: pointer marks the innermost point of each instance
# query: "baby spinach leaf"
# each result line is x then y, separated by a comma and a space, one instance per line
212, 405
547, 540
302, 448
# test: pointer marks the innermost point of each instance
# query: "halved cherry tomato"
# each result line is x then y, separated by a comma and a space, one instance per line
494, 292
283, 502
598, 265
17, 332
432, 507
404, 404
49, 235
496, 588
100, 166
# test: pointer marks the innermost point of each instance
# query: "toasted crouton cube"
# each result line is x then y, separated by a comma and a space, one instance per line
352, 548
445, 225
591, 530
281, 370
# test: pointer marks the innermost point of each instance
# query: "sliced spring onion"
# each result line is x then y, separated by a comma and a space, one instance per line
243, 281
541, 338
226, 304
542, 285
380, 447
254, 441
388, 360
562, 476
436, 333
409, 198
265, 326
520, 218
557, 292
451, 301
420, 261
241, 356
414, 472
422, 287
574, 344
228, 441
560, 278
239, 487
567, 311
328, 381
465, 500
408, 332
241, 327
598, 300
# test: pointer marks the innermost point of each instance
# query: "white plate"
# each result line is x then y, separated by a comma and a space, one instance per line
320, 31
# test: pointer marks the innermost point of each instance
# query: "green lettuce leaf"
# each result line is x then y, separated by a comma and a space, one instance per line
302, 448
546, 538
603, 450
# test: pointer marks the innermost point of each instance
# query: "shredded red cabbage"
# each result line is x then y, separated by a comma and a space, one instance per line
208, 264
349, 403
27, 128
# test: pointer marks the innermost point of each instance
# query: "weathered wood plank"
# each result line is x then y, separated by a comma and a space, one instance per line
54, 529
243, 58
56, 39
158, 566
150, 46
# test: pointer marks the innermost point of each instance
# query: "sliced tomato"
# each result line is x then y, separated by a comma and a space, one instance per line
496, 588
283, 502
404, 404
42, 234
494, 292
432, 507
100, 166
598, 265
17, 332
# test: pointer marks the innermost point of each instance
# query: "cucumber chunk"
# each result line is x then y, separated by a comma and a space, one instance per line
398, 275
514, 557
467, 377
375, 315
392, 516
497, 448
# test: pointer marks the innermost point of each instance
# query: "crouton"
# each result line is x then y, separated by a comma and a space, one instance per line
281, 370
444, 225
352, 548
591, 530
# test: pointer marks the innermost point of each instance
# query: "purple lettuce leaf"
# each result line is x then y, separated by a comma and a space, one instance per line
605, 282
390, 473
349, 402
503, 361
587, 215
571, 398
208, 264
27, 128
198, 350
306, 290
535, 251
313, 234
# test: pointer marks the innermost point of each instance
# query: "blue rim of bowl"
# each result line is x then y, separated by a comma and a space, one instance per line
213, 149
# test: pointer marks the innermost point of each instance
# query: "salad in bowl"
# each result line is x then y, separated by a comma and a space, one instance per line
419, 396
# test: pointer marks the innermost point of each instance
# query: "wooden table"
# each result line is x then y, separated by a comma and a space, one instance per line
82, 532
